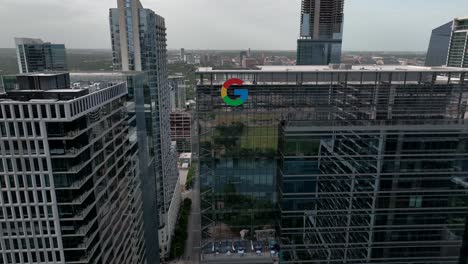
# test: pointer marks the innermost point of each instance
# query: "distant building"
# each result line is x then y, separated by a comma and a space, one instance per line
189, 58
178, 92
182, 54
148, 53
35, 55
69, 174
458, 52
205, 60
439, 45
321, 32
249, 63
242, 56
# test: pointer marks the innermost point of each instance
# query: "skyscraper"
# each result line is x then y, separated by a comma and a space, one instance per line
34, 55
69, 174
458, 52
439, 45
139, 44
357, 165
321, 33
182, 54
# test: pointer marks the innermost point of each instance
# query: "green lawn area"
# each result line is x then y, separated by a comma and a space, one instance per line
259, 138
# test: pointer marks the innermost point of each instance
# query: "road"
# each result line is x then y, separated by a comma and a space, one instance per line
192, 245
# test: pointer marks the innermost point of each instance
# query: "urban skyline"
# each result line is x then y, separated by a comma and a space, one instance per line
409, 23
243, 156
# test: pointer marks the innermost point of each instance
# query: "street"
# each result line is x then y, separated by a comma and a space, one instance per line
192, 246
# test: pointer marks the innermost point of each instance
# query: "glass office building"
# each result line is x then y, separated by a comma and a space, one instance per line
439, 45
365, 165
34, 55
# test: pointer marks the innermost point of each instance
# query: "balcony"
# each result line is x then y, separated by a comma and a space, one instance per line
63, 151
83, 230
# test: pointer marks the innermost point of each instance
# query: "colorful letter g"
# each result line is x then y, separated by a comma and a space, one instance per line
243, 93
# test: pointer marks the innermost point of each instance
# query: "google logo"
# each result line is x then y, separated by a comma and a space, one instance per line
243, 93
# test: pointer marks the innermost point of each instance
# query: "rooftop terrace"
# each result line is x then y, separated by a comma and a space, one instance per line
336, 68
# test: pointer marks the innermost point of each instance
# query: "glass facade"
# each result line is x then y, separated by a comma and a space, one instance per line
386, 195
139, 44
439, 45
317, 52
37, 56
355, 166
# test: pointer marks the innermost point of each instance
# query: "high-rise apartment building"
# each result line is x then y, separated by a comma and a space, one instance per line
458, 51
439, 45
356, 165
69, 174
321, 33
139, 44
34, 55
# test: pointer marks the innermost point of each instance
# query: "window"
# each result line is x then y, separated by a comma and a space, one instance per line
21, 129
53, 111
3, 130
415, 202
2, 180
25, 212
62, 111
17, 111
29, 130
38, 180
7, 111
26, 111
12, 181
29, 181
43, 111
21, 180
12, 130
35, 111
6, 200
37, 127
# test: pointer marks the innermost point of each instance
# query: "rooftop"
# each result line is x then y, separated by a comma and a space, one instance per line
327, 68
102, 73
50, 87
40, 74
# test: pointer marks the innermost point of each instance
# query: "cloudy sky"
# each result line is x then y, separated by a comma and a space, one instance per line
394, 25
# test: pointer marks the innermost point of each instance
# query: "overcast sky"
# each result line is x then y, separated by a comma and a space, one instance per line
393, 25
